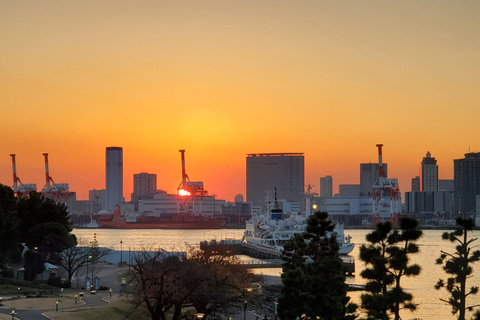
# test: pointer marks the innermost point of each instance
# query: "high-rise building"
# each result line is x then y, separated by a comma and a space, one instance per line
326, 187
429, 173
466, 176
368, 176
283, 171
416, 184
144, 186
98, 197
114, 177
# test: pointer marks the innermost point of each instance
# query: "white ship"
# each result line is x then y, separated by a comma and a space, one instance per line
274, 227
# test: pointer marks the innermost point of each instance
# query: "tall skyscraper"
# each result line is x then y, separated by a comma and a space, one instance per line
466, 176
368, 176
144, 186
283, 171
326, 187
114, 177
429, 173
416, 184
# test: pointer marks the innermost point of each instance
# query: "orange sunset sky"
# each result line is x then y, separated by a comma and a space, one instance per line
222, 79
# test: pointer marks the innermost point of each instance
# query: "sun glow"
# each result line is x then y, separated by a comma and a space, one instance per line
184, 193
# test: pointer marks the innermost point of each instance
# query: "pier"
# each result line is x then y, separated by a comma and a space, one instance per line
271, 258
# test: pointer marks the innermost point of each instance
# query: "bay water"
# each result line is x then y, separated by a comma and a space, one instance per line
427, 298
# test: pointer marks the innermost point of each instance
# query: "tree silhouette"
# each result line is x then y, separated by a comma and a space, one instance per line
459, 266
313, 280
173, 285
387, 257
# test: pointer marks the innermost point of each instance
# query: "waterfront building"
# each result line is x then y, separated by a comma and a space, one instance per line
466, 182
144, 186
236, 213
429, 173
326, 187
281, 171
98, 197
356, 210
114, 177
164, 205
368, 176
446, 185
437, 202
416, 184
349, 190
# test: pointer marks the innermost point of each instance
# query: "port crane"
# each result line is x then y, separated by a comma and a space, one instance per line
187, 187
19, 188
387, 187
58, 192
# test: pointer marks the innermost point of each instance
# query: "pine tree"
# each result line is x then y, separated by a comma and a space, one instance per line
313, 280
459, 266
387, 257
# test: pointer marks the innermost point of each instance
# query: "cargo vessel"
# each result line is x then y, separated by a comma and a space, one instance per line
117, 220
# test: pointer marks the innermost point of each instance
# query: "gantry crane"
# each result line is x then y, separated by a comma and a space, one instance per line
58, 192
19, 188
187, 187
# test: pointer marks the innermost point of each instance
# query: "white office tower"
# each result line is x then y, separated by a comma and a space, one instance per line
114, 177
326, 189
267, 172
429, 173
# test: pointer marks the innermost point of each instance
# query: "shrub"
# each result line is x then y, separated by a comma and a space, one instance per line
66, 283
55, 281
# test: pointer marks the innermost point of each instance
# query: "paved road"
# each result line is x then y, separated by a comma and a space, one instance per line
109, 278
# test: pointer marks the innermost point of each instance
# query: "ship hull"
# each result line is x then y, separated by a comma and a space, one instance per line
117, 220
212, 224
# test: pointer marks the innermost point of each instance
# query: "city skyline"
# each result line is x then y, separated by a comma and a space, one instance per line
224, 79
128, 184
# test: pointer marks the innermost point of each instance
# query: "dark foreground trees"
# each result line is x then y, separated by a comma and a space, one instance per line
387, 259
34, 225
459, 266
313, 280
170, 286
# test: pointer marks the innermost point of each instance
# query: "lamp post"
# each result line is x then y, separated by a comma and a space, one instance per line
121, 252
13, 314
245, 309
86, 276
19, 292
76, 297
110, 292
56, 306
245, 303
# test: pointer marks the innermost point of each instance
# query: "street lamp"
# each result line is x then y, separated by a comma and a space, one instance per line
56, 306
110, 292
121, 252
19, 291
86, 276
13, 314
245, 303
76, 297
